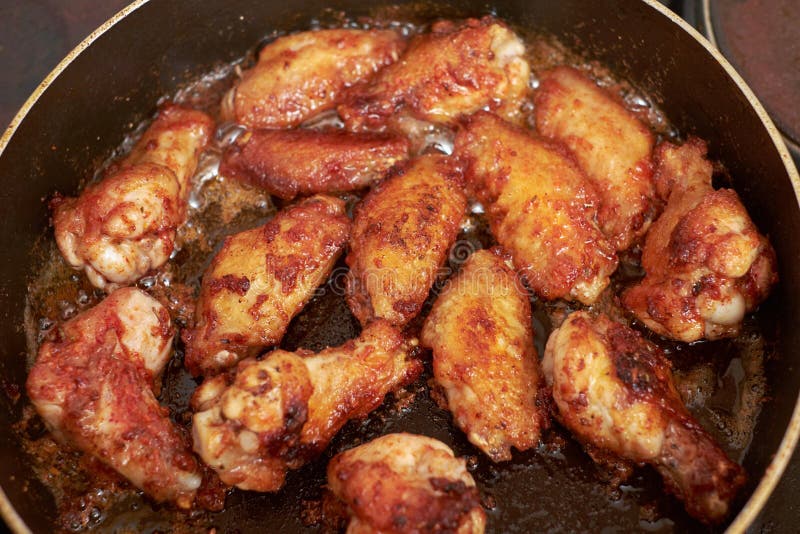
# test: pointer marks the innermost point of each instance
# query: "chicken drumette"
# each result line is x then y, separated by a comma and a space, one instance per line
540, 206
94, 388
288, 163
454, 70
612, 146
706, 264
402, 232
614, 390
483, 355
300, 75
124, 225
404, 483
272, 415
260, 279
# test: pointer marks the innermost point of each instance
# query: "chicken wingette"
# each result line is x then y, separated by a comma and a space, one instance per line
402, 232
612, 146
540, 207
483, 355
455, 69
260, 279
288, 163
300, 75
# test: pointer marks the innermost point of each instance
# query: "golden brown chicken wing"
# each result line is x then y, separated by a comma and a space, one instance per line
175, 140
614, 390
401, 234
483, 355
275, 414
94, 388
540, 206
288, 163
300, 75
260, 279
612, 146
706, 264
124, 225
404, 483
454, 70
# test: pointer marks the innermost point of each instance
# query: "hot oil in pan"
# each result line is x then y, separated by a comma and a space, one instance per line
553, 488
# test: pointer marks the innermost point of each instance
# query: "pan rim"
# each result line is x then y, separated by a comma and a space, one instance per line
8, 512
708, 26
774, 471
776, 467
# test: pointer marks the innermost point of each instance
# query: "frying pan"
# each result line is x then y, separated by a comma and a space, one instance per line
113, 80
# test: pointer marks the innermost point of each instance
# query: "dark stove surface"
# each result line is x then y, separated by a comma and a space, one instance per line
761, 38
36, 34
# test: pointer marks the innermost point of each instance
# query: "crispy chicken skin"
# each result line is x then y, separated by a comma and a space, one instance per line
405, 483
175, 140
124, 225
706, 264
288, 163
253, 424
94, 388
614, 391
402, 232
260, 279
300, 75
483, 355
612, 146
540, 207
457, 68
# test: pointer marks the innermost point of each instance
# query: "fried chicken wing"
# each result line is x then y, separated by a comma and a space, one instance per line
300, 75
454, 70
540, 206
94, 388
268, 416
124, 225
612, 146
404, 483
614, 390
260, 279
175, 140
706, 264
401, 234
483, 355
288, 163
